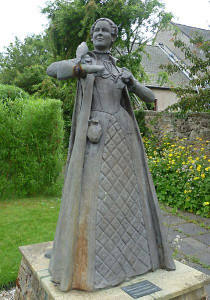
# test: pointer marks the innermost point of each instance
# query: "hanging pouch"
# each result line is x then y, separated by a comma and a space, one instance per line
94, 131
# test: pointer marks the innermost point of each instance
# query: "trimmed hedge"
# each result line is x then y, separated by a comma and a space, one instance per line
12, 92
31, 147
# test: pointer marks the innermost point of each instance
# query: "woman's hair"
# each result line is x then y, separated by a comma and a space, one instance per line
114, 28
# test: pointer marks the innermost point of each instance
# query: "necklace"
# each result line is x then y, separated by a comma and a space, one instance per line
101, 52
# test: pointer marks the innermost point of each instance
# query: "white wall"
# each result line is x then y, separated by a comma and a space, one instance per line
164, 98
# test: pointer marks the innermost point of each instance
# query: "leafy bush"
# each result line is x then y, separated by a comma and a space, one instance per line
140, 118
64, 91
31, 148
11, 92
181, 174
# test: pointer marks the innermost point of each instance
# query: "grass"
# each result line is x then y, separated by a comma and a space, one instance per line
22, 222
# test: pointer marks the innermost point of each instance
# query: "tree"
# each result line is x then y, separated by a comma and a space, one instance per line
70, 22
196, 95
24, 63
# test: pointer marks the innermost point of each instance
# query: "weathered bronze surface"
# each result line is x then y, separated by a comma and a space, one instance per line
109, 226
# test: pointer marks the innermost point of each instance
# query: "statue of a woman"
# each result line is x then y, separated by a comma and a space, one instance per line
109, 226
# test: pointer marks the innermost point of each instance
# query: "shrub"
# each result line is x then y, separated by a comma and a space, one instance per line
181, 174
12, 92
31, 148
140, 118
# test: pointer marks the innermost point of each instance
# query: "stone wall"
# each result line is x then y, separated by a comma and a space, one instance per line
191, 126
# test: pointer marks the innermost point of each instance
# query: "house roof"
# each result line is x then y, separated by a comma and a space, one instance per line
193, 31
151, 61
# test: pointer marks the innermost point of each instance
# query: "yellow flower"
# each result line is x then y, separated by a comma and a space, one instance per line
191, 167
202, 149
207, 168
173, 145
196, 178
197, 158
208, 160
170, 154
190, 157
206, 203
203, 175
205, 157
198, 168
183, 163
185, 191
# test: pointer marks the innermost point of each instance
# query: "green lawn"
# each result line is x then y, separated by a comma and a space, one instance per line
23, 222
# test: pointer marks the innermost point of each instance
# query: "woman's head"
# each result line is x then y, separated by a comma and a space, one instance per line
103, 33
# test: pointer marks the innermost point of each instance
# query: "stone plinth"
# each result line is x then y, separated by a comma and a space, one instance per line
34, 281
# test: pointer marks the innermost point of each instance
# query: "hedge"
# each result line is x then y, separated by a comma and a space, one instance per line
31, 146
12, 92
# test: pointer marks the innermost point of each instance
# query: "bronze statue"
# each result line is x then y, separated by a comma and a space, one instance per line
109, 227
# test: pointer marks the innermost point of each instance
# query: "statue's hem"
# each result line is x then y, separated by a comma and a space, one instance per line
34, 281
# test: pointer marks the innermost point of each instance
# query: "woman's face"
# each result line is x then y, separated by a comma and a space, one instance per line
102, 37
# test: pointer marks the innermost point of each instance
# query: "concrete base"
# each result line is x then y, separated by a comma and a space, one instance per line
34, 281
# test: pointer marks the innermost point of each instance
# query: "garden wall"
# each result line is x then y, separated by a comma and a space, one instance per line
190, 126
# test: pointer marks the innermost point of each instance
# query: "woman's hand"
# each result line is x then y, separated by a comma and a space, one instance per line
127, 78
96, 70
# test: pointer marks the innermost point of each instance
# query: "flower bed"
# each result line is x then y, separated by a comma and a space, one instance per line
180, 173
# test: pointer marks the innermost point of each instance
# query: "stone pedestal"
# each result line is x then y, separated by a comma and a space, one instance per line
34, 281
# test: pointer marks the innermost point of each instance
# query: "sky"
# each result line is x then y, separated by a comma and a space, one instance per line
23, 17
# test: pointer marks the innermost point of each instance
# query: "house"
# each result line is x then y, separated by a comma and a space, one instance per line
163, 53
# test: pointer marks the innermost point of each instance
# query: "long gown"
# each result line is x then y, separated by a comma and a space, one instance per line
109, 226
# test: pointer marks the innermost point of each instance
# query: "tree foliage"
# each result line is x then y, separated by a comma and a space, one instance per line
24, 63
196, 95
70, 23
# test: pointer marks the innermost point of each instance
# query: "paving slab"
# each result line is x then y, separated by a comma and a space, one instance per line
172, 219
191, 229
205, 238
190, 246
172, 233
204, 258
198, 218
